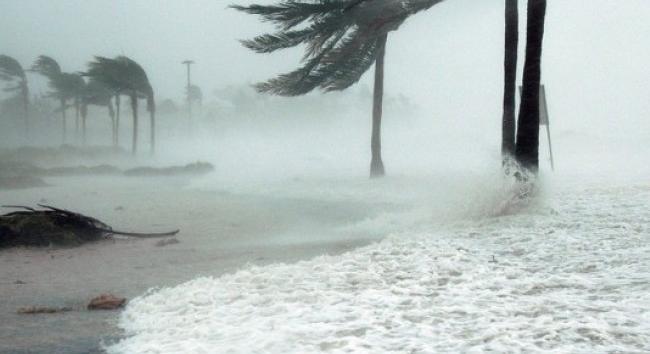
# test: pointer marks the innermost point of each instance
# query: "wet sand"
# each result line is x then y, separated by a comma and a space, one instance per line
220, 232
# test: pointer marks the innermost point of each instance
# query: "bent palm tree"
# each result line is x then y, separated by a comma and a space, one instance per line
123, 76
343, 39
63, 86
527, 147
96, 93
12, 72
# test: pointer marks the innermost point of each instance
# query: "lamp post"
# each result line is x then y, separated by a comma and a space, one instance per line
188, 64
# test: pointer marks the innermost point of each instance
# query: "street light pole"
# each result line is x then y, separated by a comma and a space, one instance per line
188, 63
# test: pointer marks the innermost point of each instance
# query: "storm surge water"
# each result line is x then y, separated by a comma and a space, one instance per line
460, 268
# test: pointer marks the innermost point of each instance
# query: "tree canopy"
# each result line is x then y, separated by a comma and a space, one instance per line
342, 38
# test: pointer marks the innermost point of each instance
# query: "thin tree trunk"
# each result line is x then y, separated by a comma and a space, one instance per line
65, 128
117, 120
134, 110
76, 120
111, 114
376, 164
152, 124
84, 114
510, 79
527, 147
26, 108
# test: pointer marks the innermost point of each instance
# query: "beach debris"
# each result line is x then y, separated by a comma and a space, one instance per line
35, 310
31, 227
167, 242
106, 302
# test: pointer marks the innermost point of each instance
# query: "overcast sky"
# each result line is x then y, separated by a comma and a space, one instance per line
595, 57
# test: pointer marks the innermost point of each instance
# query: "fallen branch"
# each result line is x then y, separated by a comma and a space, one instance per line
31, 227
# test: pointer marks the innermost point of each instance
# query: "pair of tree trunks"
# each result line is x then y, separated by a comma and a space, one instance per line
376, 163
526, 146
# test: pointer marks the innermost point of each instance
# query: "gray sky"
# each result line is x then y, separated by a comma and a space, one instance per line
448, 60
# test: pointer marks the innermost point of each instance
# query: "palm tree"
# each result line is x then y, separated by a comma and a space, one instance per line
64, 86
111, 75
12, 72
123, 76
510, 80
527, 146
343, 39
96, 93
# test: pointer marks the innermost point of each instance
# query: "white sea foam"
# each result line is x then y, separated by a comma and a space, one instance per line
572, 275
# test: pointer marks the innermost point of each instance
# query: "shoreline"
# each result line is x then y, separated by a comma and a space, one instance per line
220, 233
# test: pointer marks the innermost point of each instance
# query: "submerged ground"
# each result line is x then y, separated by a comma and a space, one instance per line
296, 262
567, 274
221, 231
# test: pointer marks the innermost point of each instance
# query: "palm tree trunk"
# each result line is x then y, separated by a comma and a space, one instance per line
65, 128
527, 147
84, 114
376, 164
76, 120
152, 125
134, 110
26, 108
111, 114
117, 120
510, 80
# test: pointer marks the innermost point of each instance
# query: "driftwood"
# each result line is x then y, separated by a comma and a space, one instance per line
31, 227
35, 310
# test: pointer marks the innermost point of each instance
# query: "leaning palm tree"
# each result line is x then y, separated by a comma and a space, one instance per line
63, 86
13, 74
508, 125
97, 93
124, 76
343, 39
527, 146
111, 75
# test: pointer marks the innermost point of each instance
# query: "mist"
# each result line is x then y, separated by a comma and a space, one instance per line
270, 191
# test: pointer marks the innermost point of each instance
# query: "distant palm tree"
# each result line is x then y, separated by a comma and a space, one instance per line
527, 146
343, 40
98, 94
12, 72
510, 80
123, 76
63, 86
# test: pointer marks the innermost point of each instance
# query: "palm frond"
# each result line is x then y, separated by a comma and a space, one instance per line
10, 69
291, 13
46, 66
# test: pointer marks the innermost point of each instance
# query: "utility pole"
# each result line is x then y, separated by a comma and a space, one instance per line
188, 63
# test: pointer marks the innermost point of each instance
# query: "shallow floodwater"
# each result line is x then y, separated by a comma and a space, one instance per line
569, 274
221, 231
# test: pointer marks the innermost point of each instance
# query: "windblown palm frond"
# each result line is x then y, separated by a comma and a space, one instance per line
121, 75
13, 74
46, 66
291, 13
10, 69
97, 93
341, 39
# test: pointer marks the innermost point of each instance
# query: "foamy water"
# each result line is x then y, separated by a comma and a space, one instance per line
569, 275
